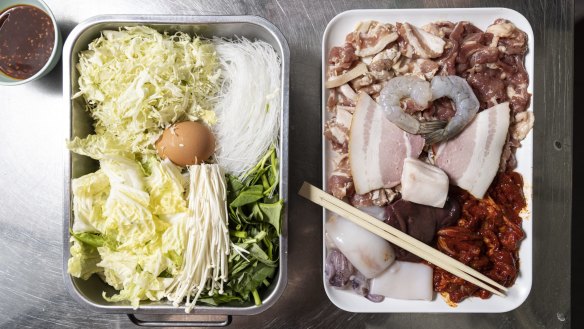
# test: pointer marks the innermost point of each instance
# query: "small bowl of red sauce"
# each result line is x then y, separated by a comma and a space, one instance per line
30, 42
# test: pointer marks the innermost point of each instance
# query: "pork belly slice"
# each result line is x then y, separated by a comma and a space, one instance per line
377, 147
472, 158
424, 183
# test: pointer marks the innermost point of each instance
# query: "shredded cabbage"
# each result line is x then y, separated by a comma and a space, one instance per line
137, 81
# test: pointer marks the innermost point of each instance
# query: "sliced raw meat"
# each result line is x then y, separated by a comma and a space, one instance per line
472, 158
377, 147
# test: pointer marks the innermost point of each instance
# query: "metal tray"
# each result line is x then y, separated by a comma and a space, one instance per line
78, 122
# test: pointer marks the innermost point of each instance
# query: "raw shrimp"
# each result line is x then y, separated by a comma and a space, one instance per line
419, 91
467, 106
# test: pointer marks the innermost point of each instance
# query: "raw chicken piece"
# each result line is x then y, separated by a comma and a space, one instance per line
471, 159
404, 280
377, 147
368, 253
424, 183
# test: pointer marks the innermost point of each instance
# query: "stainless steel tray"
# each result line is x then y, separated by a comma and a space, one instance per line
89, 292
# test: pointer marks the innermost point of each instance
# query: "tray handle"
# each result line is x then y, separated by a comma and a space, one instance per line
174, 323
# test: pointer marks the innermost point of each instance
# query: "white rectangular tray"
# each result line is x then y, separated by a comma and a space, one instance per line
334, 35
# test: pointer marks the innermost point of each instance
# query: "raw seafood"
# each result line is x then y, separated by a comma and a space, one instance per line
467, 106
419, 91
361, 286
396, 281
424, 183
377, 148
338, 269
472, 158
369, 253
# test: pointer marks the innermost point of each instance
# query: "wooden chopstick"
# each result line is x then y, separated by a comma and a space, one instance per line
399, 238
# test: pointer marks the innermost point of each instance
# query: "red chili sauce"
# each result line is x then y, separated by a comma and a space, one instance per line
27, 38
486, 237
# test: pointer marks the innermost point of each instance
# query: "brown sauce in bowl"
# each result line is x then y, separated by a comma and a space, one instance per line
27, 38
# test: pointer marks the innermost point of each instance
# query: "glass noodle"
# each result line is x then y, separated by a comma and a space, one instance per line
248, 103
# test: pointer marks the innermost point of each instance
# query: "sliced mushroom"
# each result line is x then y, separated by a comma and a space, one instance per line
419, 42
353, 73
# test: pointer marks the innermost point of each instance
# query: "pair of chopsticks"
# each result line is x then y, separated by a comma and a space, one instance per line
399, 238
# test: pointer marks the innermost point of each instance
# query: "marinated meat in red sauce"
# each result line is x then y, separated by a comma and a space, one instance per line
487, 237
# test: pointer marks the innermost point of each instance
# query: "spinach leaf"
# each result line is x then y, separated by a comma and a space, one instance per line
255, 214
248, 195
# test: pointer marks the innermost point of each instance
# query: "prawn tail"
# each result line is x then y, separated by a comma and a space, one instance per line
428, 127
435, 137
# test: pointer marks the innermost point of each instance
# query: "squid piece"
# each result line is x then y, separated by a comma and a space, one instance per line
369, 253
337, 269
404, 280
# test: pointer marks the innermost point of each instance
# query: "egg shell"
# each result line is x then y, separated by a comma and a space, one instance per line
186, 143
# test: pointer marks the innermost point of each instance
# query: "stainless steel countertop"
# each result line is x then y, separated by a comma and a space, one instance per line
32, 293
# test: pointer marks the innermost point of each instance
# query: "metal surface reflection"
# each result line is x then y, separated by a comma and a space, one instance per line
32, 292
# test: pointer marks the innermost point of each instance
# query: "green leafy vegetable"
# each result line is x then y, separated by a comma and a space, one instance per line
83, 261
93, 239
248, 195
255, 212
